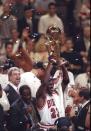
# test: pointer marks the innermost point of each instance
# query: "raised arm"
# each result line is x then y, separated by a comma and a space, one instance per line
65, 76
41, 93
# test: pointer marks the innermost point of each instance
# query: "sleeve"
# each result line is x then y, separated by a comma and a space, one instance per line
6, 102
71, 78
77, 80
60, 25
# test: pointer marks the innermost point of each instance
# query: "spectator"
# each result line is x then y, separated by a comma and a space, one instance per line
83, 98
84, 78
7, 22
84, 13
42, 5
9, 49
73, 57
82, 44
18, 9
25, 40
32, 78
12, 89
78, 6
22, 113
26, 21
50, 19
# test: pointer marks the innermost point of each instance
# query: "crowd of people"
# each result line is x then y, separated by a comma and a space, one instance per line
45, 65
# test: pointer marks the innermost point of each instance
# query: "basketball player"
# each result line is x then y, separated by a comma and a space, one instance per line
50, 97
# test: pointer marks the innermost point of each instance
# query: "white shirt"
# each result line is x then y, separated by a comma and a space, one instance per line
14, 87
46, 21
4, 80
32, 81
58, 88
4, 102
54, 105
87, 44
52, 110
67, 99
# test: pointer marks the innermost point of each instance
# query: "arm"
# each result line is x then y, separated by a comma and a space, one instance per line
65, 77
41, 93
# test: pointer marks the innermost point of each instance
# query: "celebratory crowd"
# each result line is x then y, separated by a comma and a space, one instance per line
45, 65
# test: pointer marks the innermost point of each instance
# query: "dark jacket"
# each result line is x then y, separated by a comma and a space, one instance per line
11, 94
22, 24
2, 119
18, 119
79, 121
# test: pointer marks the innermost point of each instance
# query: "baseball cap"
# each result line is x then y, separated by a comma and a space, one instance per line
63, 122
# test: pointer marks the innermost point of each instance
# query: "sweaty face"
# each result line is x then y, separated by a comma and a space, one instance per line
26, 96
50, 87
15, 78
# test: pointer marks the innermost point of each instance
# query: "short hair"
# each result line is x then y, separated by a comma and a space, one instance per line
22, 88
39, 65
12, 69
52, 4
8, 43
85, 93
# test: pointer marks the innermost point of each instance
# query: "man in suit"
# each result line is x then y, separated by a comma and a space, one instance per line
2, 120
12, 88
79, 121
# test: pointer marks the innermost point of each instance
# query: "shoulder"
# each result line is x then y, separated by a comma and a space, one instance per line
81, 76
44, 17
7, 88
70, 74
